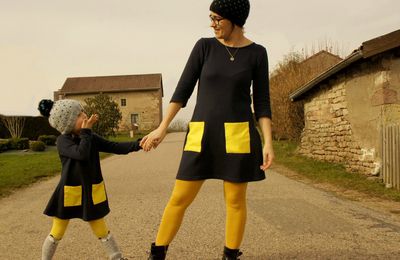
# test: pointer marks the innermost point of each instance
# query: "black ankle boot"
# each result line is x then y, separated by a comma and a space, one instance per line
157, 252
231, 254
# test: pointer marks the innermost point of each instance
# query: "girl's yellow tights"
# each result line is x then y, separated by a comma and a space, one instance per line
59, 227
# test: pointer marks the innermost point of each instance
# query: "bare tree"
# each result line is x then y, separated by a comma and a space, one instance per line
14, 124
178, 125
292, 72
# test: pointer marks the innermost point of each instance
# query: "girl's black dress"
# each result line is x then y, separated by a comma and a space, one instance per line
81, 192
222, 141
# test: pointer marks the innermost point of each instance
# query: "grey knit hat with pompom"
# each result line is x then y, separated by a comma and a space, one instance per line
62, 114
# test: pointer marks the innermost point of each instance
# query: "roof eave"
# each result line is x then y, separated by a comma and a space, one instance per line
106, 91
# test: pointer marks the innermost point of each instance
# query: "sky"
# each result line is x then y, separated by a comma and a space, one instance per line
43, 42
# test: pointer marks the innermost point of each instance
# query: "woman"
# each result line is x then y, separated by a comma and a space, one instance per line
222, 141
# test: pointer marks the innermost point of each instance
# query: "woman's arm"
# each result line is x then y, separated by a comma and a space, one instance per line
268, 152
182, 93
155, 137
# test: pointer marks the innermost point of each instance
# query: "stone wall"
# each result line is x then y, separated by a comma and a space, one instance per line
328, 135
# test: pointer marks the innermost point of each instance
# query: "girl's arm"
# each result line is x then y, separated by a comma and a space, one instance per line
107, 146
68, 148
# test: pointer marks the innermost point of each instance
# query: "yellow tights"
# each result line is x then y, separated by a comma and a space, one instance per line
59, 227
183, 195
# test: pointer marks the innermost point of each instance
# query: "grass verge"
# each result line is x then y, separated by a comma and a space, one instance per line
330, 173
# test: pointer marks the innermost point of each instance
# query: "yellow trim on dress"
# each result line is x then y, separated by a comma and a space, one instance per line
99, 193
194, 137
72, 196
237, 137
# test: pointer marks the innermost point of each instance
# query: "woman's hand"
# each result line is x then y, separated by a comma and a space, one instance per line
88, 123
153, 139
268, 155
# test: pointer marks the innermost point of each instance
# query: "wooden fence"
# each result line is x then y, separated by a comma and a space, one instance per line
391, 156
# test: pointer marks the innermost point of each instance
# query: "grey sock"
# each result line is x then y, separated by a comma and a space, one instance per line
49, 247
111, 247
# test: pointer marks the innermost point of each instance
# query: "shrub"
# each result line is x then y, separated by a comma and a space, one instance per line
4, 145
19, 143
37, 146
48, 139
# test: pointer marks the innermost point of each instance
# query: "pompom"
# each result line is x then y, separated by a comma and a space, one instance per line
45, 106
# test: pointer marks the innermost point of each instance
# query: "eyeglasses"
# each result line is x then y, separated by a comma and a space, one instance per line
216, 20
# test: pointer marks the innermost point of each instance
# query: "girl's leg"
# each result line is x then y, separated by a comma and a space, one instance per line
56, 234
182, 196
59, 227
100, 229
236, 212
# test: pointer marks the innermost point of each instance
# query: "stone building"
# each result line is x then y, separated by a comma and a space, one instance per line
139, 97
347, 107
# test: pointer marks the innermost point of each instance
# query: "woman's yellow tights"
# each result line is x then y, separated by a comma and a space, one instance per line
59, 227
183, 195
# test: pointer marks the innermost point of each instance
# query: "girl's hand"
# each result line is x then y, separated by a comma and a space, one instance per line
268, 155
88, 123
153, 139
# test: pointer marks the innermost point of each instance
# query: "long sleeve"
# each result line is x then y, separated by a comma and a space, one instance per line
68, 148
261, 99
116, 147
190, 74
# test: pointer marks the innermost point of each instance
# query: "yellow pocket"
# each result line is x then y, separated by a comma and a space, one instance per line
98, 193
72, 196
237, 137
193, 141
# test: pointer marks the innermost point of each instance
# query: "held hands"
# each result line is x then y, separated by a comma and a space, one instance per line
153, 139
88, 123
268, 155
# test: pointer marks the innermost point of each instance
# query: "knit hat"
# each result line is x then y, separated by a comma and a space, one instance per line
236, 11
62, 114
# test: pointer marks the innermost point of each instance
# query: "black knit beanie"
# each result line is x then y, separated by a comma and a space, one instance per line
235, 11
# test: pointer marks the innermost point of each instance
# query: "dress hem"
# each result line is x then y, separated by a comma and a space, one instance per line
198, 178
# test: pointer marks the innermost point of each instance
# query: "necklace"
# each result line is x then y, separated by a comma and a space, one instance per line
232, 55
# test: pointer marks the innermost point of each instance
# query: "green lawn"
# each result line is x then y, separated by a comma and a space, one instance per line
325, 172
18, 169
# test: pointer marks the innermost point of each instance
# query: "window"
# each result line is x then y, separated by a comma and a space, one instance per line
134, 119
123, 102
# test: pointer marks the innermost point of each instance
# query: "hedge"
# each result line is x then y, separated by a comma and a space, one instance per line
19, 143
5, 145
48, 139
34, 127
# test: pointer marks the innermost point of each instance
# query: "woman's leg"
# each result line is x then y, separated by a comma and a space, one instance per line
182, 196
56, 234
236, 212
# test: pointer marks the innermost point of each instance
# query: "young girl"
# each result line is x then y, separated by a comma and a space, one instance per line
81, 192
